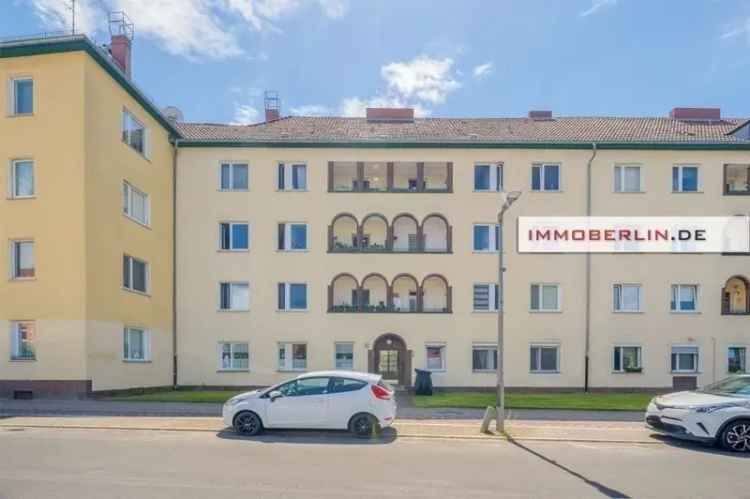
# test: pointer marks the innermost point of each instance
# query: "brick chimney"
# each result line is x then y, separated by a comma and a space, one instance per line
398, 114
120, 49
540, 115
696, 113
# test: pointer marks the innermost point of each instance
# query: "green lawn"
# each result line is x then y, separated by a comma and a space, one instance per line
577, 401
205, 396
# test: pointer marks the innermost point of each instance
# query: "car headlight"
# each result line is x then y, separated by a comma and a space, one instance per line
708, 409
234, 401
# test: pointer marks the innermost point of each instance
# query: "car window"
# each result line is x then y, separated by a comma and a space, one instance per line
341, 385
305, 386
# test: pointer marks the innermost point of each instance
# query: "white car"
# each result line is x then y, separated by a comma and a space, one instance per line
335, 400
718, 413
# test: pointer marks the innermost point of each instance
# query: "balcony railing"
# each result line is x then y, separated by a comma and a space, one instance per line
376, 295
376, 235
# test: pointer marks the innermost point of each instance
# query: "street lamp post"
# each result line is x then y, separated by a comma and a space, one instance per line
499, 409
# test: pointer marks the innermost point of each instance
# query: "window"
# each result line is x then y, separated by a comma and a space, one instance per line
234, 296
344, 356
627, 359
135, 204
22, 337
435, 358
685, 179
342, 385
737, 360
134, 133
628, 178
684, 298
292, 237
545, 297
22, 96
233, 177
22, 179
488, 178
486, 297
136, 345
292, 177
545, 359
292, 296
22, 260
305, 387
134, 274
737, 179
292, 356
483, 358
545, 177
627, 297
233, 356
234, 236
487, 237
685, 359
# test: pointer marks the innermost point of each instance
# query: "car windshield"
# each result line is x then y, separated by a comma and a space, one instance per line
738, 387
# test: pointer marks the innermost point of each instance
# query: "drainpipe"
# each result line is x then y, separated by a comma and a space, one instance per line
175, 150
588, 273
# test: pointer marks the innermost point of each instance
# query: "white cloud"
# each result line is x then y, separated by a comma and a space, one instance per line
196, 29
740, 29
245, 114
312, 110
483, 70
423, 78
596, 5
355, 107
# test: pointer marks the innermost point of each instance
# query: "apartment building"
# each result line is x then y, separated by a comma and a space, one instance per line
86, 304
306, 243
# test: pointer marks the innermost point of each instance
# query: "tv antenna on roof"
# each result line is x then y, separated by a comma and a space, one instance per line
71, 6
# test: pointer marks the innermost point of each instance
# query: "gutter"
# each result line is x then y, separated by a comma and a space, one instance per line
588, 274
175, 150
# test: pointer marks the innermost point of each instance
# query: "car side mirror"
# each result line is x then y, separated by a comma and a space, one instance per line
274, 395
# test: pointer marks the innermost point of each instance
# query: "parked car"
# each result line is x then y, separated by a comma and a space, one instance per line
718, 413
337, 400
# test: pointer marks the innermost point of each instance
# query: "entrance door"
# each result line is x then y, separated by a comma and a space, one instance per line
391, 359
388, 366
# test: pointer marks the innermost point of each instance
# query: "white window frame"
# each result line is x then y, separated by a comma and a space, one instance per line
622, 167
12, 107
288, 180
12, 194
146, 336
493, 292
556, 346
14, 245
680, 167
232, 284
698, 359
131, 259
125, 133
15, 341
622, 285
288, 237
494, 244
622, 366
541, 166
232, 165
232, 348
288, 297
483, 346
336, 351
541, 294
677, 309
737, 345
288, 356
496, 177
231, 248
129, 190
443, 357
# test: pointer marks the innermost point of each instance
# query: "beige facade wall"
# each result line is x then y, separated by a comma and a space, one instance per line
201, 205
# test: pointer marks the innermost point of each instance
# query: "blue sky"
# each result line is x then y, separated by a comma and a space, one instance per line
214, 58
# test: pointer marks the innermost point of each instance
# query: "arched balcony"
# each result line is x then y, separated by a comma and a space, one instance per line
436, 234
373, 295
436, 294
342, 293
735, 296
343, 233
404, 294
374, 233
405, 234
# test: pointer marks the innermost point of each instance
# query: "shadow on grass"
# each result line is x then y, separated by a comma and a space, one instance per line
329, 437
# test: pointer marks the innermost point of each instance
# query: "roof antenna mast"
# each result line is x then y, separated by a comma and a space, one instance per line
72, 8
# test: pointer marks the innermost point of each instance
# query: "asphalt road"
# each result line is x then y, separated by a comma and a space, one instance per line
97, 463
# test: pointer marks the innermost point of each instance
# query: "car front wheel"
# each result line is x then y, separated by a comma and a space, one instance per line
248, 423
364, 425
736, 436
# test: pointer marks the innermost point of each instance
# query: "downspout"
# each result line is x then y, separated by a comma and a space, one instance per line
175, 150
588, 273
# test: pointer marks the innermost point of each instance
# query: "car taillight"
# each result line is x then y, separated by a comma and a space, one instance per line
381, 393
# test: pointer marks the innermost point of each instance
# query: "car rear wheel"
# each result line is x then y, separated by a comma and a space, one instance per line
364, 425
736, 436
248, 423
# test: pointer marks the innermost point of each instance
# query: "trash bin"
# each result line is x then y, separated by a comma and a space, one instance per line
423, 383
